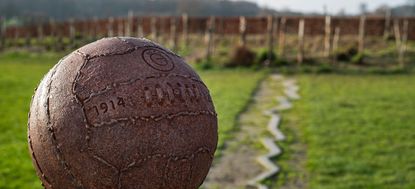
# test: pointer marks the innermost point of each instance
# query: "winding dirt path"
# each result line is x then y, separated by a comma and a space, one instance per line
238, 163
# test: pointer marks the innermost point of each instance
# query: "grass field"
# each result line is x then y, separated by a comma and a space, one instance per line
347, 131
351, 131
19, 75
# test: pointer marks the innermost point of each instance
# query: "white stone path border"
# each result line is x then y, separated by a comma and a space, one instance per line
291, 93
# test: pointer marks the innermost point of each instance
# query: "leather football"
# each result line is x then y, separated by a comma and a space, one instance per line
122, 113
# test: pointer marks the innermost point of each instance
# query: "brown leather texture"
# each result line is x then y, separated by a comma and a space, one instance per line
122, 113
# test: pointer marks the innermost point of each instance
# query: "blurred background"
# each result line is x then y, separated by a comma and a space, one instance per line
334, 78
26, 11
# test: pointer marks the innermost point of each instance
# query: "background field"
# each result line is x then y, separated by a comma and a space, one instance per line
351, 131
19, 75
348, 131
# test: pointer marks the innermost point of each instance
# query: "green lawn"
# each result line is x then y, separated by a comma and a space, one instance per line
351, 131
19, 75
348, 131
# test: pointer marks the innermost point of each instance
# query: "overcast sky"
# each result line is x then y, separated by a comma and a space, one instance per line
333, 6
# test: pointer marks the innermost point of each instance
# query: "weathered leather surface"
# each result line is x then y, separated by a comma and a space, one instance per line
122, 113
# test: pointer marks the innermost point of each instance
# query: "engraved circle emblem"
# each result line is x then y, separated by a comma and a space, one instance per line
158, 59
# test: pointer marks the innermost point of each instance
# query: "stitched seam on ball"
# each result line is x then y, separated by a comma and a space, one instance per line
172, 157
169, 157
153, 44
45, 179
155, 118
129, 50
55, 142
143, 160
102, 160
78, 100
187, 157
189, 179
30, 140
119, 180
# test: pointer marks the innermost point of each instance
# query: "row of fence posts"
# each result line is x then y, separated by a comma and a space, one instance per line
331, 38
271, 28
155, 33
124, 29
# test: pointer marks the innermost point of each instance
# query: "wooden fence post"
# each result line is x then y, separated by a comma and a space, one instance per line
86, 33
87, 29
270, 38
275, 32
386, 32
327, 36
163, 30
40, 32
220, 27
72, 31
336, 39
99, 29
209, 37
120, 27
397, 33
173, 33
300, 55
26, 37
95, 27
362, 25
110, 26
154, 31
281, 45
242, 31
52, 25
140, 31
59, 35
129, 27
185, 20
403, 46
